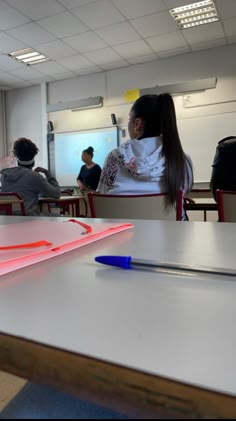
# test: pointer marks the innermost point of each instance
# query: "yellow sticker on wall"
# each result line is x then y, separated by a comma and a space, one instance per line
132, 95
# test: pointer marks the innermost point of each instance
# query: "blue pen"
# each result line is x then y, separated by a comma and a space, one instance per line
127, 262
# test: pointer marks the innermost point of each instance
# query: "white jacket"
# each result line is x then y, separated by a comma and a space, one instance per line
138, 167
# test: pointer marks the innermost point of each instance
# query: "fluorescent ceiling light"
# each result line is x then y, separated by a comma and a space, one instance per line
32, 59
195, 14
29, 56
20, 52
39, 61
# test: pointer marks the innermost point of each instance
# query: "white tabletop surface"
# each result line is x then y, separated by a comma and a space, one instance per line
180, 327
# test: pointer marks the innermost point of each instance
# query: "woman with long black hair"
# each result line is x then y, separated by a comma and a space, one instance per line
153, 161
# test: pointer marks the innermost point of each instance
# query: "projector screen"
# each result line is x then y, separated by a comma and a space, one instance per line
68, 148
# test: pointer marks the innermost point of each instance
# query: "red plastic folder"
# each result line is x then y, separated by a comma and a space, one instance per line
24, 244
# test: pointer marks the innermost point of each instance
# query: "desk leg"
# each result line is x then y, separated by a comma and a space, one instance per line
205, 216
77, 209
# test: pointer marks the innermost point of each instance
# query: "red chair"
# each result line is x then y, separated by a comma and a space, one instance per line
15, 201
6, 208
226, 205
149, 207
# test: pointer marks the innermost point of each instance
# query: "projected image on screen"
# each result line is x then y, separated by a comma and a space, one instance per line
69, 148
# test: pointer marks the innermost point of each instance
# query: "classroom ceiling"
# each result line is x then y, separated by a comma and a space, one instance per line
88, 36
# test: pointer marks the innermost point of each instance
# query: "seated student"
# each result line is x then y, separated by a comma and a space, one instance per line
90, 173
27, 183
224, 166
153, 161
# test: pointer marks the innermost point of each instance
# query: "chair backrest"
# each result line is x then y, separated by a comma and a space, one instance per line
227, 206
200, 194
150, 207
6, 209
18, 208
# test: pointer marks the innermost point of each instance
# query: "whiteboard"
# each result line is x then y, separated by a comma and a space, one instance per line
200, 137
68, 149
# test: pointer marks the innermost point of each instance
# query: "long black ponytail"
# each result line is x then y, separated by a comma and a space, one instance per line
159, 118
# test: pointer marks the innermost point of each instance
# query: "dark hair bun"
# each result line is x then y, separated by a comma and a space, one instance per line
90, 149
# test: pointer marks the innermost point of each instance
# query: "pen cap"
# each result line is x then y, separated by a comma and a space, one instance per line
123, 262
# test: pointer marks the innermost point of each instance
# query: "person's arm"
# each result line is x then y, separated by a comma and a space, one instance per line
79, 178
47, 187
81, 185
108, 174
189, 178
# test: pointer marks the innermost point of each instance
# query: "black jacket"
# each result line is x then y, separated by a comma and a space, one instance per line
224, 166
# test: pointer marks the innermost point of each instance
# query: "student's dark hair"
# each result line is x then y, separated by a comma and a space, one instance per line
159, 117
24, 149
90, 151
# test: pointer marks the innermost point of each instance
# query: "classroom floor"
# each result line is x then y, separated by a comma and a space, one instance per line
10, 386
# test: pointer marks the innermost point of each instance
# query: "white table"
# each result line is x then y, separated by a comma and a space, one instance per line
139, 339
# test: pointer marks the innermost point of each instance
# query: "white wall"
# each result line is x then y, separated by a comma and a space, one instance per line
218, 62
24, 118
24, 106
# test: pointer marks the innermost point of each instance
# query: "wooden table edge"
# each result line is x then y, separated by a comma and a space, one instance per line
130, 392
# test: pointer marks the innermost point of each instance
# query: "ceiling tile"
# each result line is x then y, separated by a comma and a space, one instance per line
158, 24
70, 4
118, 34
22, 84
88, 71
207, 45
106, 55
10, 18
9, 44
143, 59
167, 42
56, 49
63, 25
37, 9
115, 65
43, 79
7, 63
64, 76
226, 8
232, 40
9, 78
132, 9
32, 34
27, 73
175, 52
50, 68
133, 49
230, 26
75, 62
98, 14
89, 41
203, 33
